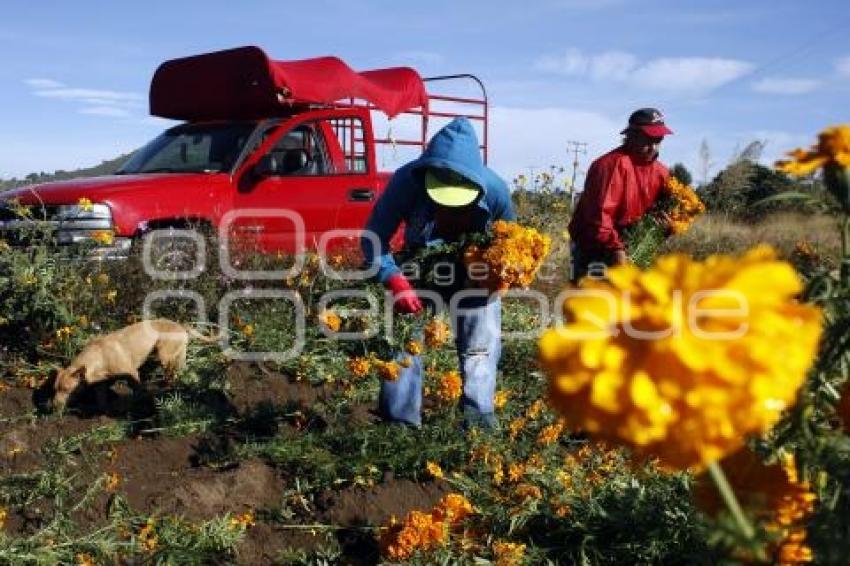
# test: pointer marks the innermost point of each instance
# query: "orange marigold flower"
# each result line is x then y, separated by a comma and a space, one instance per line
387, 370
501, 398
434, 469
413, 347
511, 259
359, 366
453, 508
436, 333
450, 386
550, 433
508, 553
103, 237
331, 320
418, 531
113, 480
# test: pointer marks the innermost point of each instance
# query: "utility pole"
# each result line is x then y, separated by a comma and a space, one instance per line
575, 147
531, 177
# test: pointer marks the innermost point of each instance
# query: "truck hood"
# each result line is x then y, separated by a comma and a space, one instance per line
98, 189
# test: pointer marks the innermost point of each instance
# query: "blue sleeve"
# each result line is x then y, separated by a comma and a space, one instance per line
500, 202
393, 207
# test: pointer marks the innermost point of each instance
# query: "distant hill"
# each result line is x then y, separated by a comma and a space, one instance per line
106, 168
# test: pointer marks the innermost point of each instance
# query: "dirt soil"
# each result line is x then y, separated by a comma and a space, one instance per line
169, 475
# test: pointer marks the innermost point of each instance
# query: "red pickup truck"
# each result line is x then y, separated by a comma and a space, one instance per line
275, 153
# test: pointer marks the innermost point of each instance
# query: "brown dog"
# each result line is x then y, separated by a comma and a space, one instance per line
122, 353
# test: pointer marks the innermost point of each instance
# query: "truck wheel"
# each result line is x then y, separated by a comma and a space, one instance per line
176, 251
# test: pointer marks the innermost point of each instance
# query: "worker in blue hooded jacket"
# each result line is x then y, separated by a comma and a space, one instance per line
445, 193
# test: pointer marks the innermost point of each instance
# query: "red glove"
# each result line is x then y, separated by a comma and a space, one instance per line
404, 296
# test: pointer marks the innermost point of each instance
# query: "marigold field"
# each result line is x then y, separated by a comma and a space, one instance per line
608, 451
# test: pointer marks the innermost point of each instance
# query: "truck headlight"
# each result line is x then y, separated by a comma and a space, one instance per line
67, 212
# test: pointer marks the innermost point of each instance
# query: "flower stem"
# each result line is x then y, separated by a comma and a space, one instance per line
844, 272
729, 498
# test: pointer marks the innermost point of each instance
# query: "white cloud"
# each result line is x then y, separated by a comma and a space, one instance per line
88, 93
842, 66
112, 111
691, 74
44, 83
674, 74
90, 101
787, 86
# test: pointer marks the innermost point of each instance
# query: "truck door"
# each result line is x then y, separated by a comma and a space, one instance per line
297, 188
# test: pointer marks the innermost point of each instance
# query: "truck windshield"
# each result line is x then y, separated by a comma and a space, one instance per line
192, 148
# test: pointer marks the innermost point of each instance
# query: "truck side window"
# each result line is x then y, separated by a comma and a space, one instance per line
301, 151
349, 147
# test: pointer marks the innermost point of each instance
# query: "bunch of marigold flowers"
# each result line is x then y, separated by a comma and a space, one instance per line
680, 204
832, 154
424, 531
512, 257
681, 361
773, 494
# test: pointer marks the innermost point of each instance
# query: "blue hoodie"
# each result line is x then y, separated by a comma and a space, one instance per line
454, 147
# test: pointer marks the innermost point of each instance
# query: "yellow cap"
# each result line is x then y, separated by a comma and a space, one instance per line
456, 194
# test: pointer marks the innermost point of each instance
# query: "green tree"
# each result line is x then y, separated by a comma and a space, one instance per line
681, 174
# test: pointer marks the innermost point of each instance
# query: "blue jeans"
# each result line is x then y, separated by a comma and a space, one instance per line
477, 325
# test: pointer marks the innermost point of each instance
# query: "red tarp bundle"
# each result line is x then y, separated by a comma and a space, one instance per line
243, 83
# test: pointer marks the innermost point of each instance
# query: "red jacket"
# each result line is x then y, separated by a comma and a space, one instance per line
617, 192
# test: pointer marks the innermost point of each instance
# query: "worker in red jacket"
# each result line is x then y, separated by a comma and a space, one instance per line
621, 186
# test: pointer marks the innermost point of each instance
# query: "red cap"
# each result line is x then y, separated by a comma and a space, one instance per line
650, 121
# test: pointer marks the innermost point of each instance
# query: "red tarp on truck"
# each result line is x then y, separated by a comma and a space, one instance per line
243, 83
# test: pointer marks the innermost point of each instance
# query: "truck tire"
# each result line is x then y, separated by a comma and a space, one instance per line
175, 252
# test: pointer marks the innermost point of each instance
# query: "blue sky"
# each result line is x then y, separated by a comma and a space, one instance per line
75, 75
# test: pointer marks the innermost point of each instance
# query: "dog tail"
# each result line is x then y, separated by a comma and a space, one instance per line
211, 339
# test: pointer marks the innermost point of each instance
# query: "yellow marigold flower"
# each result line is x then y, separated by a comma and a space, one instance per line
110, 296
147, 536
501, 398
387, 370
65, 332
833, 147
436, 333
691, 393
793, 550
550, 433
512, 258
450, 386
535, 409
103, 237
687, 205
516, 426
85, 204
453, 509
527, 491
331, 320
359, 367
84, 559
413, 348
516, 470
435, 470
243, 521
508, 553
248, 330
113, 480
